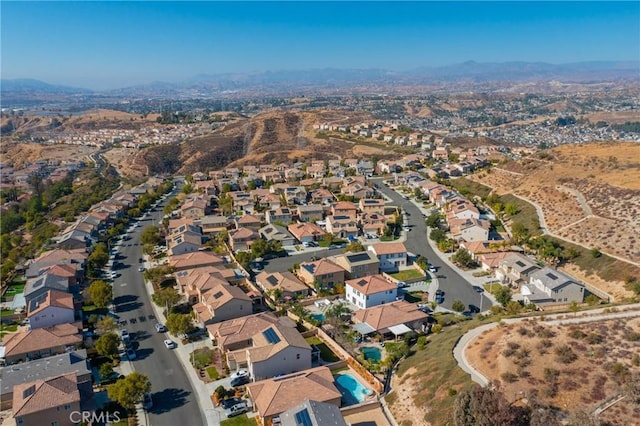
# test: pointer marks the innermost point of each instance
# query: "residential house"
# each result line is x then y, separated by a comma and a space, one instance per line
310, 213
270, 201
334, 182
51, 401
371, 206
196, 259
39, 343
212, 225
462, 208
285, 283
322, 196
357, 265
236, 334
371, 290
222, 302
75, 258
50, 308
242, 238
344, 208
516, 268
313, 413
273, 397
388, 166
185, 239
277, 233
357, 190
249, 221
306, 232
373, 223
74, 239
194, 208
175, 224
321, 273
470, 229
396, 318
197, 282
295, 194
392, 256
342, 226
279, 215
278, 349
70, 362
551, 287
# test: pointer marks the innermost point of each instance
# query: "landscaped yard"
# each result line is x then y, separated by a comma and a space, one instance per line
6, 312
241, 420
213, 373
492, 287
6, 329
326, 354
408, 274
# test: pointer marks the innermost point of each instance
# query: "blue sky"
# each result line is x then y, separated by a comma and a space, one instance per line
114, 44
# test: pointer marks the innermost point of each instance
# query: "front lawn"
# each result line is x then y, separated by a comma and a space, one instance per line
326, 354
408, 274
388, 238
213, 373
6, 312
241, 420
492, 287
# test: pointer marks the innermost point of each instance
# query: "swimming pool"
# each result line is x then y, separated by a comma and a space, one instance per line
353, 392
318, 317
372, 353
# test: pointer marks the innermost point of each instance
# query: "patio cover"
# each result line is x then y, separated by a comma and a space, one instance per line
399, 329
363, 328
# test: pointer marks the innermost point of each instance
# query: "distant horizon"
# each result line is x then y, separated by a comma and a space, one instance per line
109, 45
167, 81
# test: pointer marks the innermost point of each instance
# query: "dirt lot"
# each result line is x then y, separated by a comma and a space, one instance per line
571, 367
20, 153
614, 117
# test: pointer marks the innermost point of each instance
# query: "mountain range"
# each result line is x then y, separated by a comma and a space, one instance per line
329, 78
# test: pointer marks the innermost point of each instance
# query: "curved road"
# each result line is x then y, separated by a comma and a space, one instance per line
174, 402
455, 286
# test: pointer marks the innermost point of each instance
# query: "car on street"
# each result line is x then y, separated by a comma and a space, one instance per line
131, 354
160, 328
439, 296
124, 335
478, 289
406, 229
140, 268
170, 344
433, 268
147, 402
122, 354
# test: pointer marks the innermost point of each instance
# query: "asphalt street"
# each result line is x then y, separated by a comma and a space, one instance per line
174, 401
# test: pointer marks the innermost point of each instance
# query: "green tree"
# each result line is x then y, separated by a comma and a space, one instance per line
513, 307
101, 293
520, 233
107, 345
592, 300
166, 297
179, 324
98, 257
106, 325
354, 247
595, 252
463, 258
446, 245
479, 406
150, 235
437, 235
130, 390
511, 209
458, 306
433, 220
106, 369
574, 307
503, 295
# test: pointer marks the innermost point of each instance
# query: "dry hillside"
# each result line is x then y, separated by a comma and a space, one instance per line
572, 367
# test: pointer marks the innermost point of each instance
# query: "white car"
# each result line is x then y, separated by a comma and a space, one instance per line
124, 334
170, 344
160, 328
140, 268
239, 373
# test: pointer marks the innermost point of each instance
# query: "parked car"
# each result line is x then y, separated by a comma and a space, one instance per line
147, 402
140, 268
439, 296
239, 373
124, 335
170, 344
131, 354
239, 381
478, 289
402, 284
160, 328
237, 409
433, 268
230, 402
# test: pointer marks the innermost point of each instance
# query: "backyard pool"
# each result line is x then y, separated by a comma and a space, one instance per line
353, 392
372, 353
318, 317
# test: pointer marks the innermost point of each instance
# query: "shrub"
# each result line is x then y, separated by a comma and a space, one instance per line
543, 345
523, 331
436, 328
577, 334
594, 338
509, 377
452, 392
422, 342
632, 336
565, 355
